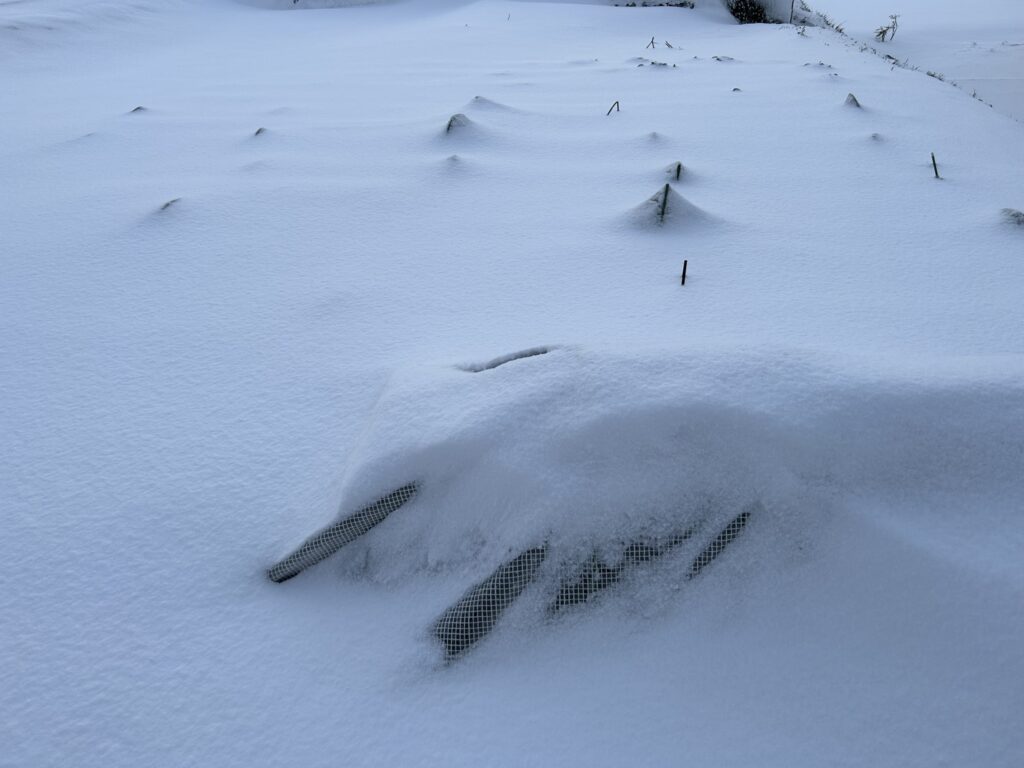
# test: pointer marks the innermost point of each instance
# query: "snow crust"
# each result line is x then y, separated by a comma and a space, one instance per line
332, 306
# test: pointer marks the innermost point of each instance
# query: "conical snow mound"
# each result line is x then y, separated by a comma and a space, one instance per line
458, 124
664, 208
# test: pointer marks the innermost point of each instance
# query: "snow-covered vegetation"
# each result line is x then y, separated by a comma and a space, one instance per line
265, 262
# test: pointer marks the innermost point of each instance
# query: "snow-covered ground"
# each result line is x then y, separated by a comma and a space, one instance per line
214, 337
978, 46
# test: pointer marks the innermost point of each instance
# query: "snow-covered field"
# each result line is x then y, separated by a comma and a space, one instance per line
977, 46
266, 296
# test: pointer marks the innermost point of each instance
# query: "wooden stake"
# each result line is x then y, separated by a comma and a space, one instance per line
935, 167
614, 106
664, 204
684, 273
651, 44
679, 170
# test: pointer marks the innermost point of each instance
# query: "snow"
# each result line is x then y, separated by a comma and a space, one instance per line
978, 46
333, 308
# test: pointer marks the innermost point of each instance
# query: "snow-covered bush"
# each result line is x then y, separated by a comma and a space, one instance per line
888, 30
748, 11
759, 11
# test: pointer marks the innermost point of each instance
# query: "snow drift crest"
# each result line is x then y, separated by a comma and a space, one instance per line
583, 466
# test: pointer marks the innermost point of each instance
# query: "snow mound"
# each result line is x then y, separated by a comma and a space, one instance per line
580, 451
483, 103
666, 207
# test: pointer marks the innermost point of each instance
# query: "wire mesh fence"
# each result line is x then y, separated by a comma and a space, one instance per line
326, 542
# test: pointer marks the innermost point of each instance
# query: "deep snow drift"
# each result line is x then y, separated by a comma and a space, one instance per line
291, 283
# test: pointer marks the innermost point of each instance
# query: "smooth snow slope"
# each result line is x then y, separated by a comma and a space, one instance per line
28, 27
978, 46
191, 389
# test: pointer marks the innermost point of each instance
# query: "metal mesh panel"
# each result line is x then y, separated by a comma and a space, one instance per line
326, 542
472, 617
464, 623
596, 575
718, 545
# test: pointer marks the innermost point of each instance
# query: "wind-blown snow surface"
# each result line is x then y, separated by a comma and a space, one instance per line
190, 390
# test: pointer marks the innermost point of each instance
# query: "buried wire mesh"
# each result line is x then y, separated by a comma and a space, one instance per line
497, 362
326, 542
596, 575
478, 611
475, 615
720, 542
471, 618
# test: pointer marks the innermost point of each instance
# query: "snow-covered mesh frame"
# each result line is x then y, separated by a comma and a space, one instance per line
720, 542
476, 613
473, 616
595, 575
497, 362
326, 542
